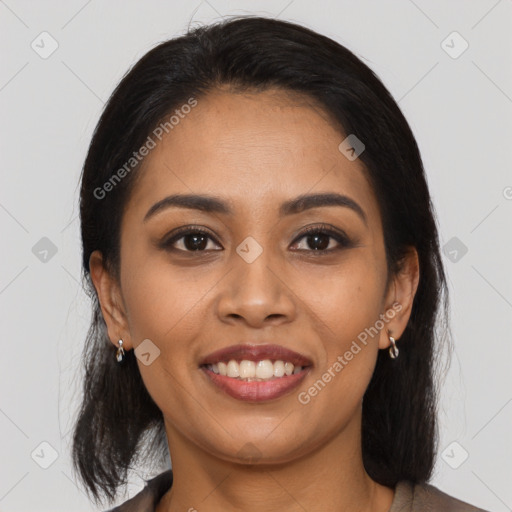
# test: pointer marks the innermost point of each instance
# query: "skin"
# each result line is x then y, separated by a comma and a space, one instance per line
255, 151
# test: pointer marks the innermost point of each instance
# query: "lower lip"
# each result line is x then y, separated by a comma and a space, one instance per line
256, 391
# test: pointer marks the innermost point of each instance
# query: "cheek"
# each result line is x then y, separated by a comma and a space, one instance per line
345, 299
164, 306
170, 307
346, 307
348, 359
160, 300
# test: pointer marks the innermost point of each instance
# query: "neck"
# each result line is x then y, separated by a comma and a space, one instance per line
331, 477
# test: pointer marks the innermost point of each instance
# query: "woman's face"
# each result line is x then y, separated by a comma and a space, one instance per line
255, 277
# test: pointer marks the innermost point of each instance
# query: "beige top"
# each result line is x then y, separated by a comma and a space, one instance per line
408, 498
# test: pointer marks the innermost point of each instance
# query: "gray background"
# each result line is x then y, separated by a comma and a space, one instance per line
459, 107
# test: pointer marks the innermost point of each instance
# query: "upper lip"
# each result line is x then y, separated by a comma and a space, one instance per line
253, 352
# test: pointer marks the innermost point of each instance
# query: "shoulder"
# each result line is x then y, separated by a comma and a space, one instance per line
147, 499
424, 497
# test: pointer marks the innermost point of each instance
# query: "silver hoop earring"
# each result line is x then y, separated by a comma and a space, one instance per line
393, 349
120, 353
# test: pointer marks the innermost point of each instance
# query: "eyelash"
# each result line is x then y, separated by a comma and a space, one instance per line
340, 237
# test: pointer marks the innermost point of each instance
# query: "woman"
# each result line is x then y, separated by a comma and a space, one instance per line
262, 254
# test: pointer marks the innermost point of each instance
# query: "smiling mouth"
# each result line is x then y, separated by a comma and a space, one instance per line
251, 381
254, 371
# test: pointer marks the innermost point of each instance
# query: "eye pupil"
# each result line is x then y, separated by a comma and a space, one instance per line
199, 242
313, 241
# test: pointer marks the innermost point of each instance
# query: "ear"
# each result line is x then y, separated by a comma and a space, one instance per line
399, 298
111, 301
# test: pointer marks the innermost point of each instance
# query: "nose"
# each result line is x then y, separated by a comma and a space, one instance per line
256, 293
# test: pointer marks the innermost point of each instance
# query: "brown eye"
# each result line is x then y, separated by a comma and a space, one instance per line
190, 240
323, 239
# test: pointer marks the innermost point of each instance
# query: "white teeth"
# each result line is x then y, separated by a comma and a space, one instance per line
265, 369
223, 368
233, 370
250, 370
247, 369
278, 369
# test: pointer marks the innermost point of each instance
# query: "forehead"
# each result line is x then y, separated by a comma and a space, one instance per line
253, 149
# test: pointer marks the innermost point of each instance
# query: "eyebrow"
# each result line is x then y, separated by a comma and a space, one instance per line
211, 204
